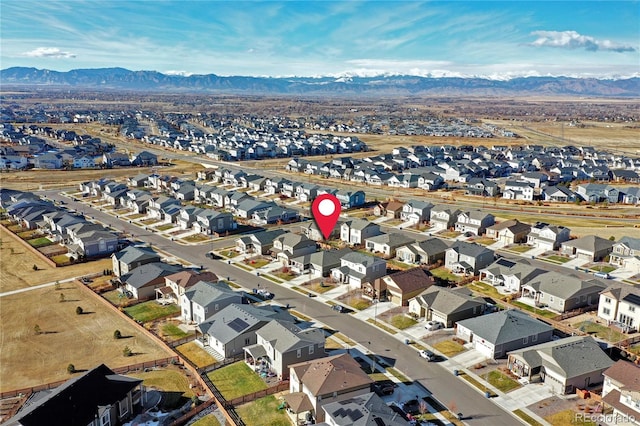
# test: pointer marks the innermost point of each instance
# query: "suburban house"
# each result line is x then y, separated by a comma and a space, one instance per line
357, 268
474, 221
232, 328
620, 305
98, 397
547, 237
350, 199
591, 248
92, 244
400, 286
416, 211
482, 187
518, 190
290, 245
447, 306
158, 207
509, 232
310, 230
621, 390
443, 218
316, 383
467, 258
275, 214
129, 258
355, 231
143, 281
567, 364
387, 243
391, 209
426, 252
510, 274
318, 264
496, 334
598, 192
259, 243
248, 207
280, 344
213, 222
364, 410
144, 158
204, 299
179, 282
625, 251
559, 194
562, 292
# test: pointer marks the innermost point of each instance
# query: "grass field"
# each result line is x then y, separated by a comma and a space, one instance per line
171, 331
443, 273
566, 418
208, 420
40, 242
543, 312
16, 264
527, 418
402, 321
172, 382
83, 340
501, 381
263, 411
486, 289
196, 354
151, 310
236, 380
449, 348
600, 331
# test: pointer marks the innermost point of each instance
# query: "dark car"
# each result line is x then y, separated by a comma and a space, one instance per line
384, 388
411, 407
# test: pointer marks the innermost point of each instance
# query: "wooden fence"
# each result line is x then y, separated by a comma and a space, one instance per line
282, 386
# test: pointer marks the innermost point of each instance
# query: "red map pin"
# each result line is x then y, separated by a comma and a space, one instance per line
326, 211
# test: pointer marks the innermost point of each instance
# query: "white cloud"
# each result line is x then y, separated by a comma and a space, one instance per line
49, 52
574, 40
179, 73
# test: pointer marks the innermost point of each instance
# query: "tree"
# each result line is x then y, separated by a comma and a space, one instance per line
61, 297
612, 238
127, 351
35, 267
79, 310
117, 335
36, 329
71, 368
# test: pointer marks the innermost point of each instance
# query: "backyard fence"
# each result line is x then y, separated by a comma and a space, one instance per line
282, 386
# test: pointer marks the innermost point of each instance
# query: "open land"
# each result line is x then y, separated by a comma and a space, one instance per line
30, 359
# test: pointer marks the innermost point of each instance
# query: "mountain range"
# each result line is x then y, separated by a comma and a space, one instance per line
406, 85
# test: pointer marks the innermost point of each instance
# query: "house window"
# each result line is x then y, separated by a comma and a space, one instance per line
525, 340
216, 307
632, 308
247, 341
124, 408
606, 311
105, 419
534, 338
299, 353
311, 349
550, 299
607, 300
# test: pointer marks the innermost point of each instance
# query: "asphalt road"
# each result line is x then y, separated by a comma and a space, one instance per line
440, 382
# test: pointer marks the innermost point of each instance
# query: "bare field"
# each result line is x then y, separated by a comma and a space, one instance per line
16, 264
29, 359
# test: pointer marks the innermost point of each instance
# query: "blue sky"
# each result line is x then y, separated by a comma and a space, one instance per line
312, 38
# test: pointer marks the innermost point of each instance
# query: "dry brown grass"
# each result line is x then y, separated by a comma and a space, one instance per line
84, 340
16, 264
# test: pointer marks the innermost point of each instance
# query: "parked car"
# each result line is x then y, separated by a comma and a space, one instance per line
433, 325
604, 275
411, 407
384, 388
428, 355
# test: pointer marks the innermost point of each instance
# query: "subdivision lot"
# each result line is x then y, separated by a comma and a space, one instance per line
29, 359
16, 264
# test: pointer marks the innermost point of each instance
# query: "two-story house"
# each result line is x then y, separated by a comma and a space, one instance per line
290, 245
518, 190
443, 218
545, 236
467, 258
625, 251
357, 268
416, 211
474, 221
509, 232
621, 391
355, 231
620, 305
204, 299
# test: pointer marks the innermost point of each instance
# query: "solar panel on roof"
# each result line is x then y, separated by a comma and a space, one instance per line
633, 298
353, 415
238, 325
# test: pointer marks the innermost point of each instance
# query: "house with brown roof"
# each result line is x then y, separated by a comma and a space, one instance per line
391, 209
316, 383
621, 390
401, 286
509, 231
181, 281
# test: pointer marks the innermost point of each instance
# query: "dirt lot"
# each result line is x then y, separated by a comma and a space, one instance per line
84, 340
16, 264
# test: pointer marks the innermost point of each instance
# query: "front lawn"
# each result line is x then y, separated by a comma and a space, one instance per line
236, 380
264, 411
444, 274
319, 287
543, 312
165, 227
196, 238
135, 216
603, 268
402, 321
61, 259
151, 310
555, 258
568, 417
150, 221
600, 331
485, 241
519, 249
194, 353
527, 418
229, 253
40, 242
449, 348
257, 263
381, 325
358, 303
284, 274
501, 381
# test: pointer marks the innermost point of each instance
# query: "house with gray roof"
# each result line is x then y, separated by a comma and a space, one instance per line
129, 258
275, 214
280, 344
248, 207
363, 410
598, 192
548, 237
357, 268
290, 245
467, 258
143, 281
310, 230
562, 292
204, 299
93, 244
557, 193
474, 221
447, 306
232, 328
443, 218
318, 264
260, 242
387, 243
518, 190
355, 231
495, 334
211, 222
415, 211
619, 305
509, 231
591, 248
425, 252
510, 274
565, 365
625, 250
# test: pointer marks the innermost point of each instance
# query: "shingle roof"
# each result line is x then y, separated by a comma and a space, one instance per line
626, 373
204, 293
144, 274
564, 286
336, 373
187, 278
364, 410
505, 326
285, 337
590, 243
411, 280
448, 301
132, 254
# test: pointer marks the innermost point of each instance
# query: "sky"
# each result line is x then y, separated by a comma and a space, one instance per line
497, 40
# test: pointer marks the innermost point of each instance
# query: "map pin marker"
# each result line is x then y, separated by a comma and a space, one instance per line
326, 211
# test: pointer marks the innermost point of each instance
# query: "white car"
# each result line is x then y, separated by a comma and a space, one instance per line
433, 325
428, 355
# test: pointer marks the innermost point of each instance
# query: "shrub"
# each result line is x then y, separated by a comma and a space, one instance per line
71, 368
117, 335
127, 351
61, 297
79, 310
36, 329
35, 267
